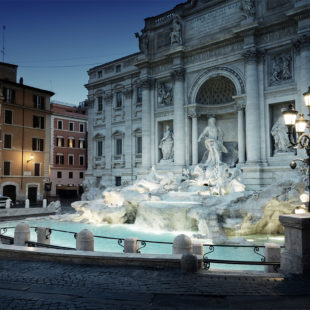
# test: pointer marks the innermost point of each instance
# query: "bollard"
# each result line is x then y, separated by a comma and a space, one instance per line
21, 234
85, 241
8, 204
43, 235
131, 245
27, 203
198, 249
189, 263
44, 205
182, 244
272, 254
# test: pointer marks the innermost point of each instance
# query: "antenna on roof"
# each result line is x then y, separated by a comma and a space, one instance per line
3, 49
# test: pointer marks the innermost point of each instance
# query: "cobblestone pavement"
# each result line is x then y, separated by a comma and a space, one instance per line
45, 285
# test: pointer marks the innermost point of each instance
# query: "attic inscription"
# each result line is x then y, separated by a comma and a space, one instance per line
214, 19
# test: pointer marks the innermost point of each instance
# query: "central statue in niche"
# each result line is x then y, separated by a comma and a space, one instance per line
213, 143
166, 144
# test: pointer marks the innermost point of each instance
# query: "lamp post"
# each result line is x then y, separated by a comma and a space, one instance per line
298, 126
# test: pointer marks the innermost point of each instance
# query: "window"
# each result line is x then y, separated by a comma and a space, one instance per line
71, 159
59, 175
8, 117
99, 148
7, 141
82, 144
59, 124
71, 126
118, 143
139, 145
6, 168
70, 175
60, 159
100, 74
81, 175
38, 102
37, 169
38, 122
37, 144
71, 142
60, 141
139, 95
81, 160
118, 181
100, 106
118, 68
119, 99
9, 95
81, 127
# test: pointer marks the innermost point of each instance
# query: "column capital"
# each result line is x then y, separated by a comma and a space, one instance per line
251, 55
240, 106
193, 113
147, 83
178, 74
108, 97
302, 41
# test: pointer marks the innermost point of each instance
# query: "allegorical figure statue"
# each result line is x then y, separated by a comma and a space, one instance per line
166, 144
176, 32
279, 133
213, 142
143, 42
248, 8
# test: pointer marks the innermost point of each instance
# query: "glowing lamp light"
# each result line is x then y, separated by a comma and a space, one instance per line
289, 116
301, 124
307, 98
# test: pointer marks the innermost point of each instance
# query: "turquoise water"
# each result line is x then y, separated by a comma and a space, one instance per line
127, 230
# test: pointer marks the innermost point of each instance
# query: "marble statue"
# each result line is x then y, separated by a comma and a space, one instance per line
166, 144
279, 133
248, 8
176, 32
143, 42
213, 143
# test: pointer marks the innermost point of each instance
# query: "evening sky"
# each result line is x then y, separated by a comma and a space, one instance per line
55, 42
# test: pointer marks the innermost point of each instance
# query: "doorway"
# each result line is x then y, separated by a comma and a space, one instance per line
10, 191
32, 194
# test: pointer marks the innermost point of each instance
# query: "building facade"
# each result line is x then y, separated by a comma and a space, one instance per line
68, 149
25, 137
237, 61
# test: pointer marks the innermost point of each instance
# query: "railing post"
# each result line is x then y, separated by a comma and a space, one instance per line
85, 241
8, 204
131, 245
189, 263
44, 204
182, 244
43, 235
27, 203
198, 249
21, 234
272, 254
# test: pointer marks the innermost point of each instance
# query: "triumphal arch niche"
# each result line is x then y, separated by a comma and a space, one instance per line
216, 94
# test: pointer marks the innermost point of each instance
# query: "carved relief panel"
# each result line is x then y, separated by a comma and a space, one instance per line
164, 94
280, 68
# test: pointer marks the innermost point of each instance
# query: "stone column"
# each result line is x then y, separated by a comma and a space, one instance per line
107, 151
252, 108
128, 127
90, 147
146, 123
241, 133
179, 117
296, 257
194, 139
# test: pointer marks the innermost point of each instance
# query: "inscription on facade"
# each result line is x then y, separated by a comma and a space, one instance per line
216, 52
213, 19
277, 35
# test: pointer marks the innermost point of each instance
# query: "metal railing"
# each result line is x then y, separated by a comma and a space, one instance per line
143, 243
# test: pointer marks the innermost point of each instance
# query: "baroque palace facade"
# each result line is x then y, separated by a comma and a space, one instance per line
239, 62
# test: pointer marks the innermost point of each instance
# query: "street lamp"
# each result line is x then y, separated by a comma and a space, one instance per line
298, 126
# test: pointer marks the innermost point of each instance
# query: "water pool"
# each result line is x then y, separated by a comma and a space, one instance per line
126, 230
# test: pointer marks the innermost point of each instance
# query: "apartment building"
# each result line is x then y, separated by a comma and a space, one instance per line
25, 137
68, 149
